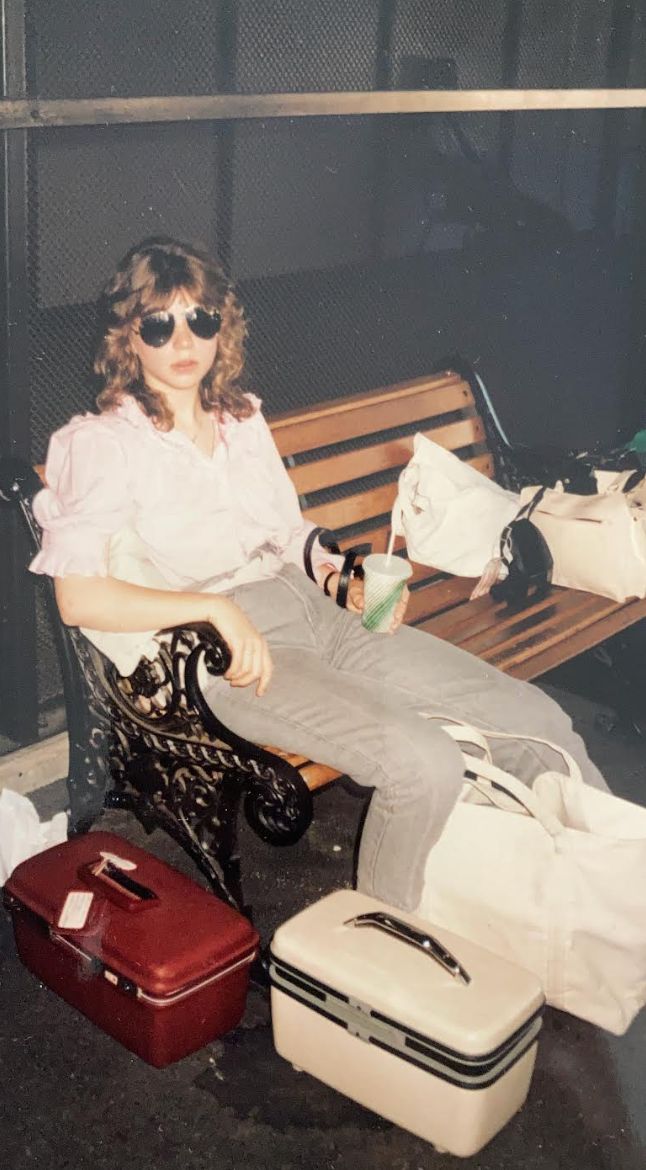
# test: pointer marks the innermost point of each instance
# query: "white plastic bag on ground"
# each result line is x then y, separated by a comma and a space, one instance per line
22, 833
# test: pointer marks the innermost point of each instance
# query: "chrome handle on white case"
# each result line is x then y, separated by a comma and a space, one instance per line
414, 937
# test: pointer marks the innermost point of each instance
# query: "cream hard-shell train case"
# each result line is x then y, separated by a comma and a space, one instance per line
431, 1031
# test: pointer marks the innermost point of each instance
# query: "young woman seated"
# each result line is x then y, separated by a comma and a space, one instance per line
181, 458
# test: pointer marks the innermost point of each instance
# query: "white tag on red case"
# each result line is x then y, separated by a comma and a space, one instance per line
120, 862
76, 908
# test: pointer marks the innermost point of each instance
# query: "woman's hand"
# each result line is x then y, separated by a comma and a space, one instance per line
355, 600
250, 658
400, 610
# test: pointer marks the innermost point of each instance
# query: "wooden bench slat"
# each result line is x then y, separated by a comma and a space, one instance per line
315, 775
337, 422
584, 639
447, 602
373, 502
516, 652
350, 402
482, 463
565, 614
465, 625
318, 775
377, 537
467, 620
436, 597
292, 757
353, 509
424, 575
338, 469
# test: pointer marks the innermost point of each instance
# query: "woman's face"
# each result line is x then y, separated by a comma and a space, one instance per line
183, 361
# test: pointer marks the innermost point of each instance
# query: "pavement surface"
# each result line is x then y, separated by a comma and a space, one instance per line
73, 1098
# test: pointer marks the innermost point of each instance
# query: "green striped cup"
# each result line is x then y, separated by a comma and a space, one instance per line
384, 580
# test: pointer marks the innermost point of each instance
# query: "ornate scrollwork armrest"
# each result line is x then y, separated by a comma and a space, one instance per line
161, 691
206, 640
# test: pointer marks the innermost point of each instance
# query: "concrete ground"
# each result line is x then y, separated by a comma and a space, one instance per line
73, 1098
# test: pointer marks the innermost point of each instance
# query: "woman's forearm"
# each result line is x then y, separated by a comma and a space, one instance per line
106, 603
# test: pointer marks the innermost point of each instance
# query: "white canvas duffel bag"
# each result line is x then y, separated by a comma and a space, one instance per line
597, 542
552, 877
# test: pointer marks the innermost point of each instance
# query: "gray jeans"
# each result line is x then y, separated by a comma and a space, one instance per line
351, 699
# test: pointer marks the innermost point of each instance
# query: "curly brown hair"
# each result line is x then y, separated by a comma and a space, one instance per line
146, 280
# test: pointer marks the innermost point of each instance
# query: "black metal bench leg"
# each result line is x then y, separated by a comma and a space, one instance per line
229, 851
86, 787
197, 806
624, 656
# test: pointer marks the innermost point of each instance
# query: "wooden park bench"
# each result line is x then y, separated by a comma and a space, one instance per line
150, 743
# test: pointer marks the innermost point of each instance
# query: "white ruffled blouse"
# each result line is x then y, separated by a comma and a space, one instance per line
115, 482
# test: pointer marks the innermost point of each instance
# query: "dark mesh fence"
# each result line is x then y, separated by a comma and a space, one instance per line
289, 46
366, 249
104, 48
108, 48
471, 34
94, 191
564, 44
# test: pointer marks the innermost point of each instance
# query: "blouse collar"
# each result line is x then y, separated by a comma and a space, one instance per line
130, 410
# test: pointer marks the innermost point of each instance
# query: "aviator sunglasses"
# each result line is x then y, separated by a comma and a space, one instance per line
155, 329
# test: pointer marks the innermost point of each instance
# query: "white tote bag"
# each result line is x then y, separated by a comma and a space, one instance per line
450, 515
598, 542
552, 877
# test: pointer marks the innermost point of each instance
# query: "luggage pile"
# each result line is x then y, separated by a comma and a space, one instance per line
433, 1032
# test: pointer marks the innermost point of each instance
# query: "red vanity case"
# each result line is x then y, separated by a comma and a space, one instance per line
160, 963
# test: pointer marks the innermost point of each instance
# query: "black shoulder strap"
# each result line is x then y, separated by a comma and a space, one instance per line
349, 568
326, 539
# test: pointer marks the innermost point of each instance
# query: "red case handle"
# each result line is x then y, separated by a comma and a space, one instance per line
118, 886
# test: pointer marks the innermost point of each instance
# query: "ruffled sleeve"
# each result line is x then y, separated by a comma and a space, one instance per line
86, 499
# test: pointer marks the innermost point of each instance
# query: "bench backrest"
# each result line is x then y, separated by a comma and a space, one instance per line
344, 456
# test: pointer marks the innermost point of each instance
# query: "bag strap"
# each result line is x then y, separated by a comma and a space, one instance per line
527, 509
573, 769
523, 513
487, 779
326, 539
349, 568
465, 733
